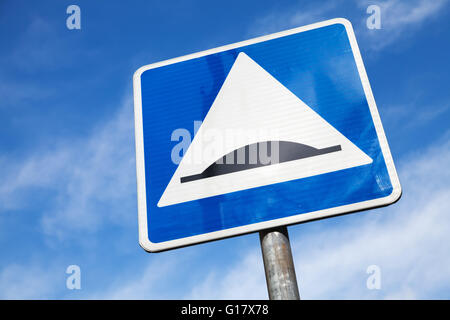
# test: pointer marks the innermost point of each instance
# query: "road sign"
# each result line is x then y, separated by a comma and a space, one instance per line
262, 133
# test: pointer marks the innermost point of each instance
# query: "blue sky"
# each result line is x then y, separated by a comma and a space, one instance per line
67, 164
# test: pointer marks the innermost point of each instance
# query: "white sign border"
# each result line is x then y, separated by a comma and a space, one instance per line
149, 246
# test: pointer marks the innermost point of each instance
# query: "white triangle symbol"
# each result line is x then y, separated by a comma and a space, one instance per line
255, 105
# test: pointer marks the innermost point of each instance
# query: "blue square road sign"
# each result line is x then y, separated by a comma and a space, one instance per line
272, 131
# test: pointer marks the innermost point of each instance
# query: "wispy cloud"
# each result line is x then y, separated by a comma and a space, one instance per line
243, 280
281, 19
399, 19
43, 45
401, 14
406, 119
149, 283
180, 275
88, 180
27, 282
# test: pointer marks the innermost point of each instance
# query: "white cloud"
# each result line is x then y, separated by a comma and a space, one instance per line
100, 178
280, 20
178, 275
243, 280
26, 282
399, 20
147, 283
87, 181
39, 46
408, 119
400, 14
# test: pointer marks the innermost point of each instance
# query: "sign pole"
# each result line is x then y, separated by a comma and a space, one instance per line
278, 264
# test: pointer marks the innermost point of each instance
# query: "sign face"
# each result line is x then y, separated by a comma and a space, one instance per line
271, 131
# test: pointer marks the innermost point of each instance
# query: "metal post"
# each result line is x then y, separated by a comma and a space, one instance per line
278, 264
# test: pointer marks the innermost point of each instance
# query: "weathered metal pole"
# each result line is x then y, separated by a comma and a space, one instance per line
278, 264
